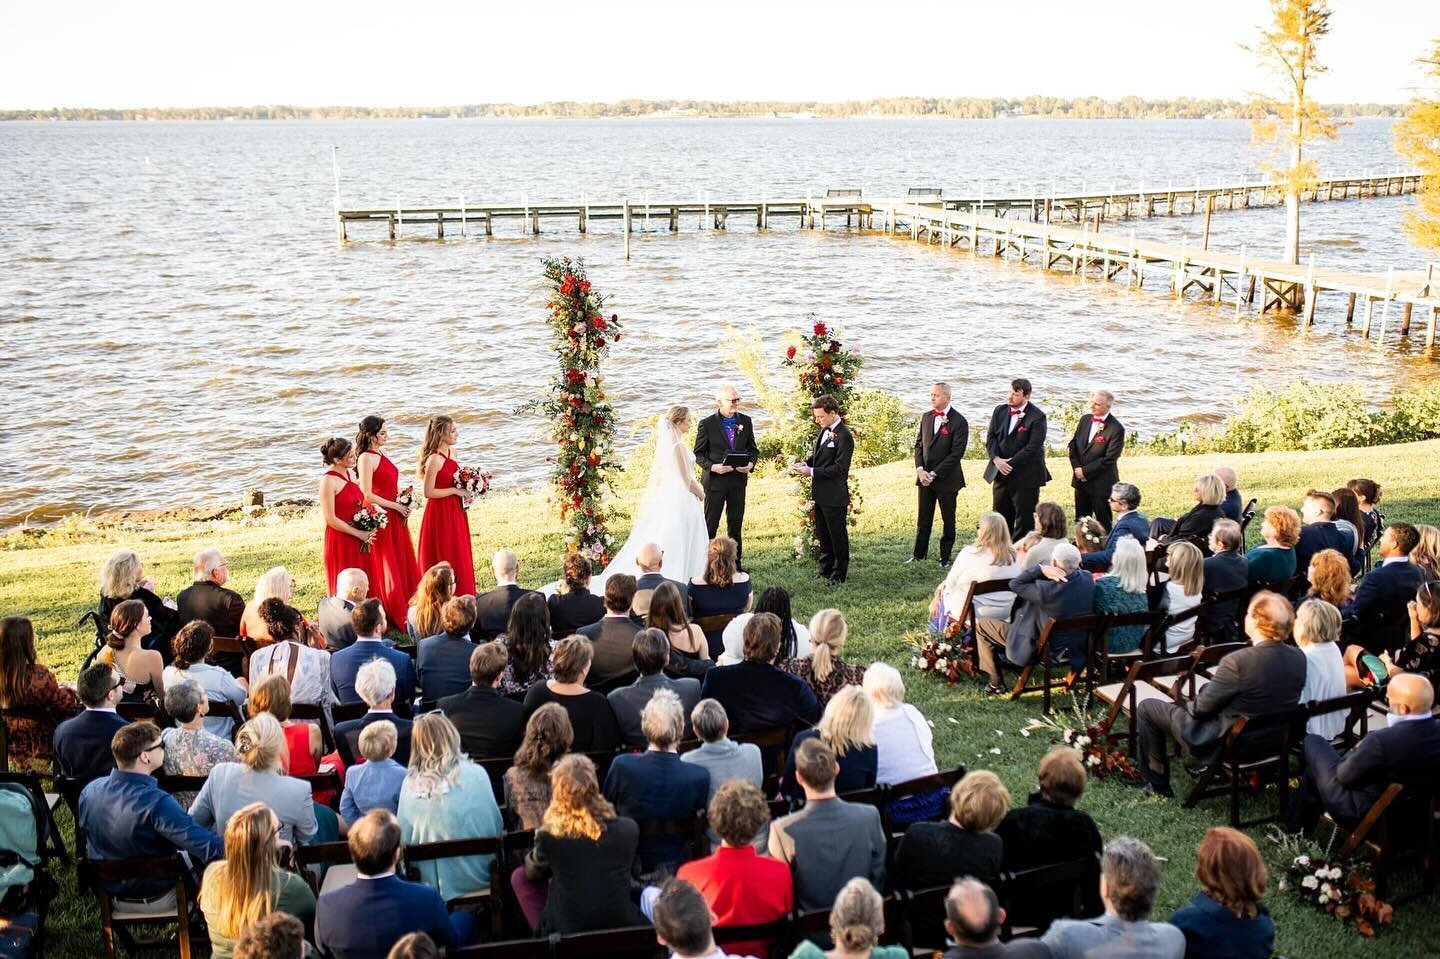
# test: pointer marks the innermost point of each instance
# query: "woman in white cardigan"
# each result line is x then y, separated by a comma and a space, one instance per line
903, 743
990, 557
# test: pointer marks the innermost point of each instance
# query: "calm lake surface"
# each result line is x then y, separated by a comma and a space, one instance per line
178, 323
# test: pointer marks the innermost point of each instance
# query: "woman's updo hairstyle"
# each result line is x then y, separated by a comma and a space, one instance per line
678, 415
370, 428
124, 620
335, 449
282, 620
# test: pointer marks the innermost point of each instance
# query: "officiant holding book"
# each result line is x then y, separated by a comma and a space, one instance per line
725, 449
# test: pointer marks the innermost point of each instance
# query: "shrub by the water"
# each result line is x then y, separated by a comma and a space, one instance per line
884, 429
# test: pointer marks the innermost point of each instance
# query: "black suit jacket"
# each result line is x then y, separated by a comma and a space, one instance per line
570, 611
1195, 526
82, 744
711, 447
830, 460
759, 696
1224, 572
347, 737
1260, 679
490, 725
220, 607
1023, 446
612, 662
492, 611
1376, 616
942, 454
650, 582
1407, 753
1097, 457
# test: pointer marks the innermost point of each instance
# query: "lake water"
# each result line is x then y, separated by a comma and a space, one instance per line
178, 323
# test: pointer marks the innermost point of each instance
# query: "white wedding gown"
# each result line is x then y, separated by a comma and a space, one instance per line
669, 515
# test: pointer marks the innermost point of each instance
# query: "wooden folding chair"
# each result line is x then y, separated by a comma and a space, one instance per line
778, 937
920, 916
1100, 662
916, 787
1235, 769
118, 916
1124, 698
242, 646
1188, 682
1246, 516
1240, 596
327, 864
228, 709
1089, 623
636, 942
968, 617
316, 714
1072, 885
1387, 840
774, 748
456, 848
145, 712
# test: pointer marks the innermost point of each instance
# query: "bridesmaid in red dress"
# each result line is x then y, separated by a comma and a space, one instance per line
340, 500
445, 529
393, 559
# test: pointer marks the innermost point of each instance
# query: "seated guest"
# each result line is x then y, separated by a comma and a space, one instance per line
364, 919
682, 921
490, 725
442, 662
1048, 533
723, 590
823, 670
1317, 633
650, 652
207, 599
1232, 506
829, 841
352, 587
1122, 591
1058, 590
1225, 570
1426, 555
416, 945
1129, 880
650, 559
548, 736
126, 815
1367, 495
375, 783
304, 743
1320, 533
27, 684
305, 668
1089, 534
973, 920
574, 605
142, 670
590, 714
1349, 518
375, 684
965, 844
903, 742
1226, 917
794, 636
368, 619
492, 609
257, 778
191, 750
1405, 751
718, 754
1376, 617
436, 588
446, 796
1049, 829
275, 583
274, 936
857, 921
990, 557
1195, 525
1264, 678
81, 744
655, 784
192, 646
1273, 561
1329, 578
742, 887
527, 640
123, 578
585, 851
249, 882
756, 693
1129, 522
611, 662
689, 651
1421, 653
1184, 590
846, 726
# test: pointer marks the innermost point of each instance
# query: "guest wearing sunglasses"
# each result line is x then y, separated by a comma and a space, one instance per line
82, 743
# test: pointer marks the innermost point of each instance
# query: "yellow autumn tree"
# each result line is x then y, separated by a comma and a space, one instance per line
1417, 140
1289, 117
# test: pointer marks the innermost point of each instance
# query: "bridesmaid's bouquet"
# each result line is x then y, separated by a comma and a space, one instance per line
406, 497
472, 481
369, 518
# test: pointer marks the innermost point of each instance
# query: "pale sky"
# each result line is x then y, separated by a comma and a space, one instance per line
127, 53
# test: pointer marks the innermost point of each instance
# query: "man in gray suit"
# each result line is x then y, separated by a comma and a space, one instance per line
1129, 879
1264, 678
352, 587
650, 651
830, 841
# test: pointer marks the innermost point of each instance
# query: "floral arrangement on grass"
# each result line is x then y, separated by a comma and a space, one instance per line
368, 519
1094, 742
944, 652
1339, 888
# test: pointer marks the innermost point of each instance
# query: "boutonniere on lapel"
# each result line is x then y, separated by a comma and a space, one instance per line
1022, 429
1099, 438
739, 427
944, 431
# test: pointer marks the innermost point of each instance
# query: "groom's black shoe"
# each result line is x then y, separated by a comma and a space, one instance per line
834, 580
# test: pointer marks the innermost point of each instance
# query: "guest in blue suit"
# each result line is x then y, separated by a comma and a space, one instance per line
1226, 919
1377, 617
1058, 590
368, 619
443, 661
755, 693
1125, 500
364, 919
1407, 751
82, 743
376, 684
1320, 532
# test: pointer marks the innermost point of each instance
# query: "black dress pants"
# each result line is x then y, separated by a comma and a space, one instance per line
727, 496
1015, 503
1093, 499
833, 532
929, 497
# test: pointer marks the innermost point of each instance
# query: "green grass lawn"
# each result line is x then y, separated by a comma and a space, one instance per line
51, 577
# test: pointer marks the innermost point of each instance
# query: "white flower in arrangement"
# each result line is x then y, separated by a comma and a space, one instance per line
1310, 882
916, 662
1335, 872
1082, 741
1092, 760
1327, 891
1302, 861
994, 750
941, 663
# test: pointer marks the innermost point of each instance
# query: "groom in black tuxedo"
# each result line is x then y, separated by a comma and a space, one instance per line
829, 470
726, 431
939, 477
1094, 449
1015, 444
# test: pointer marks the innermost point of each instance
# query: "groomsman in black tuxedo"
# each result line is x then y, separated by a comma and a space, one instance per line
829, 470
723, 437
1015, 444
939, 477
1094, 449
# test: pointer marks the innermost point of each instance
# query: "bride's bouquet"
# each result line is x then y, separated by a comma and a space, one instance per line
472, 481
367, 519
406, 497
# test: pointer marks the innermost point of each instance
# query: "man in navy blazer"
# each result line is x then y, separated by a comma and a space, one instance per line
756, 695
82, 743
366, 918
1320, 532
1376, 617
368, 619
1059, 589
492, 609
1124, 497
1406, 751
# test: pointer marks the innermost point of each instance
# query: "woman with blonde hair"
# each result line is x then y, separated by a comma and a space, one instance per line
141, 669
846, 726
1122, 591
1195, 525
823, 670
437, 587
857, 921
122, 578
258, 778
1226, 917
965, 844
249, 882
1317, 633
905, 742
275, 583
548, 736
446, 796
1329, 576
445, 528
722, 590
1426, 553
991, 556
1182, 592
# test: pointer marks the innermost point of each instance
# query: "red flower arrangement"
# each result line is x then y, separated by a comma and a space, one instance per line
1098, 751
1339, 888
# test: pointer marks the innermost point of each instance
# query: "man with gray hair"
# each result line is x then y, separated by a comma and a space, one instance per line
492, 609
352, 586
1125, 498
939, 475
207, 598
1129, 880
722, 757
973, 918
725, 449
375, 685
1094, 451
1059, 589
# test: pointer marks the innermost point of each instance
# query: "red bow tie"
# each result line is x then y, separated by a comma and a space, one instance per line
1016, 412
1097, 419
939, 415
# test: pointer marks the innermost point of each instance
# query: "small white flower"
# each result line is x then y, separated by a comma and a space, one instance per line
930, 723
1321, 898
1303, 861
1025, 733
1083, 741
953, 720
1335, 872
999, 732
994, 750
940, 663
1092, 760
1310, 882
1328, 891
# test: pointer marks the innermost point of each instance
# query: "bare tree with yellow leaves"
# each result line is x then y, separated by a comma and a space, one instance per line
1417, 140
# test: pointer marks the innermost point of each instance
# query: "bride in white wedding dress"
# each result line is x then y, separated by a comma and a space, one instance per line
670, 513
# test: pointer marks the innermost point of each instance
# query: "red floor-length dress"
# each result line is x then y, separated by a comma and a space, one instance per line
342, 551
396, 574
445, 533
